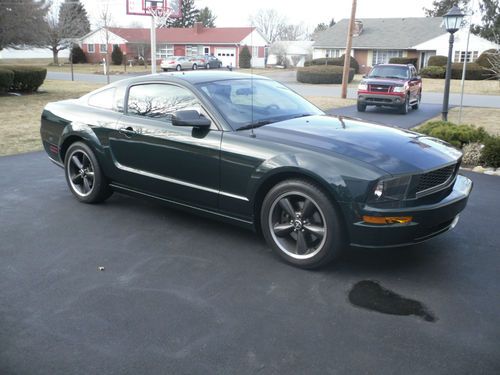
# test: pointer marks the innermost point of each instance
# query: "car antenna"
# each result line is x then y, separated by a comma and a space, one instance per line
252, 134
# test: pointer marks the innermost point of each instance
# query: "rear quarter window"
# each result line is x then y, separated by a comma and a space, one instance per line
103, 99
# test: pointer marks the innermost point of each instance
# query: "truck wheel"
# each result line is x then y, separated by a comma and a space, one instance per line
361, 107
415, 106
405, 107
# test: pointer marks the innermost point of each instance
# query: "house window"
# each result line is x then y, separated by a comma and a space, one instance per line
103, 48
255, 51
194, 50
382, 56
334, 52
164, 50
90, 48
460, 56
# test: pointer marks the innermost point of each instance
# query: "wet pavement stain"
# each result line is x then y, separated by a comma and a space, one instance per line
371, 295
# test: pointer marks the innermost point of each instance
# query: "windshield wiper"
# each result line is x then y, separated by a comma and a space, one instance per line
254, 125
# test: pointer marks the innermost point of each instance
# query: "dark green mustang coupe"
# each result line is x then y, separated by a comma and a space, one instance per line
249, 151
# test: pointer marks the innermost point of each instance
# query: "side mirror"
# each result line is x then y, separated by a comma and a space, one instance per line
190, 118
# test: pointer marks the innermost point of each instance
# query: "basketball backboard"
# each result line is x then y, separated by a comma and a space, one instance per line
140, 7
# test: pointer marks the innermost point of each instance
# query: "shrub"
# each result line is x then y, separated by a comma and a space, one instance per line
437, 60
77, 55
433, 72
245, 58
484, 58
117, 55
404, 60
472, 153
6, 79
322, 74
337, 61
473, 71
457, 135
27, 78
491, 152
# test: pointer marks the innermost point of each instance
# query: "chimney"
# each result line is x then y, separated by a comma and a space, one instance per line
198, 27
358, 28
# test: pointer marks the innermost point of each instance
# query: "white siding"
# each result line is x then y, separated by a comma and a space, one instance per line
99, 37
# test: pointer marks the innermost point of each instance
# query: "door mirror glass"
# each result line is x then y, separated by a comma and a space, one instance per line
190, 118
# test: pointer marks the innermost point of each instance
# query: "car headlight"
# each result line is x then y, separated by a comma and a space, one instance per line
363, 86
392, 189
399, 89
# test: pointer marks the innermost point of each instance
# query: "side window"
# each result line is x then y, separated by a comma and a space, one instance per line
160, 101
103, 99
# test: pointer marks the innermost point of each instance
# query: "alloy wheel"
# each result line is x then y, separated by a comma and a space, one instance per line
297, 225
81, 173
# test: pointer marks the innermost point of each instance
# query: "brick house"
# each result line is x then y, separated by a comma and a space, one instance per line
376, 40
223, 42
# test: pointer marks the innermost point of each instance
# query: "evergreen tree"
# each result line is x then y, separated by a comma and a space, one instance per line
206, 17
77, 55
320, 27
117, 55
332, 22
245, 58
490, 17
73, 19
441, 7
189, 15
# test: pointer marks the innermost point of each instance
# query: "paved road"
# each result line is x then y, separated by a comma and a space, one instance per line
288, 78
389, 116
185, 295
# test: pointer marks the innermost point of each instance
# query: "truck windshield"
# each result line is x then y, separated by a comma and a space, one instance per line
386, 71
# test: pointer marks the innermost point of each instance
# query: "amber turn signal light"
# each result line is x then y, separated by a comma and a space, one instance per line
387, 219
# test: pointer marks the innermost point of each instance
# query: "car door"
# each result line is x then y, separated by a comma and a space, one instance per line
414, 84
154, 156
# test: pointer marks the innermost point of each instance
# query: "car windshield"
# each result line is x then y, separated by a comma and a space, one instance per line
248, 102
386, 71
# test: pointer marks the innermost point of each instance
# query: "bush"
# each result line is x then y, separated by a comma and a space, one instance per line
483, 59
245, 58
26, 78
404, 60
437, 60
491, 152
433, 72
117, 55
473, 71
6, 79
322, 74
336, 61
77, 55
472, 153
457, 135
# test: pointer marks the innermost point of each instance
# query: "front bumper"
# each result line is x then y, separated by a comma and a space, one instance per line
428, 220
368, 98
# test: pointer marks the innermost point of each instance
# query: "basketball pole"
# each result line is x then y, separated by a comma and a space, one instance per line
153, 44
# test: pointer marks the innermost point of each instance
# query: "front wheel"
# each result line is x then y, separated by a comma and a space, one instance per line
178, 68
361, 107
195, 67
405, 107
301, 224
84, 175
207, 66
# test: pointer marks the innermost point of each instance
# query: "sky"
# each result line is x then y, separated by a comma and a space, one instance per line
310, 13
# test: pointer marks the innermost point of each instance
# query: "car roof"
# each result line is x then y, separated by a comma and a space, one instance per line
192, 77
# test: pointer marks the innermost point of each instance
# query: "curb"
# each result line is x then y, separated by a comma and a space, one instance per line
482, 170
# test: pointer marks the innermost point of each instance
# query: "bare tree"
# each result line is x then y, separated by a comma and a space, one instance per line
53, 35
22, 23
292, 32
494, 62
269, 22
105, 21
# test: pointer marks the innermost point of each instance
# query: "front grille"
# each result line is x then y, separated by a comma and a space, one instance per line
436, 178
379, 88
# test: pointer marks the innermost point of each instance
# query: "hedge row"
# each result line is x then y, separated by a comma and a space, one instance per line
433, 72
6, 79
404, 60
473, 71
322, 74
25, 78
437, 60
336, 61
486, 57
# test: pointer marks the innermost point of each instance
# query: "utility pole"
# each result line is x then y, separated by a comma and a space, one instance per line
347, 59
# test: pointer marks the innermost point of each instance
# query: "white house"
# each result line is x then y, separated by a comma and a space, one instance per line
295, 51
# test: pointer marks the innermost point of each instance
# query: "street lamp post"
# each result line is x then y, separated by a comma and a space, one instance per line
452, 22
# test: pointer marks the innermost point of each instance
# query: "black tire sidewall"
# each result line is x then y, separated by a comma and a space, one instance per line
335, 239
101, 190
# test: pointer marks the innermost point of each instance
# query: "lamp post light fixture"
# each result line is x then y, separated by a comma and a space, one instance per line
452, 22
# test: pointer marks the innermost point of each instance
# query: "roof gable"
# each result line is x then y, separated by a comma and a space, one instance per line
383, 33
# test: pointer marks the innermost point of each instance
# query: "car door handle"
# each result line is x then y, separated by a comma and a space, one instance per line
128, 131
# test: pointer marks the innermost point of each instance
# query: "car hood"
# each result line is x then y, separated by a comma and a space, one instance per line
385, 81
395, 150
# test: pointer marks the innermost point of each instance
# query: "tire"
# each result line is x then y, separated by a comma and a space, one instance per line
207, 66
195, 67
405, 107
220, 65
178, 68
306, 235
165, 69
417, 104
361, 107
84, 175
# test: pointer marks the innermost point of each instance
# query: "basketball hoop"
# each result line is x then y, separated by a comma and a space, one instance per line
160, 15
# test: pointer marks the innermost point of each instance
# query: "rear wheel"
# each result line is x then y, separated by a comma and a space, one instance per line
417, 104
301, 224
165, 69
84, 175
220, 65
361, 107
207, 66
195, 67
178, 68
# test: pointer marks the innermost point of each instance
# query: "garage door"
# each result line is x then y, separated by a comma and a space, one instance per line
226, 55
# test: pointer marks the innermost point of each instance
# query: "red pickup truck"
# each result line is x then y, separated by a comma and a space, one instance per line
392, 85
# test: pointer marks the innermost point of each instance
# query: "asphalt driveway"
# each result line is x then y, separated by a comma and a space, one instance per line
184, 295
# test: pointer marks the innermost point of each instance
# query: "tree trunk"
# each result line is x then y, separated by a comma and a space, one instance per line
55, 56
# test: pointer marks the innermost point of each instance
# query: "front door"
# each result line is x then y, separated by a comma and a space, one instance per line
153, 156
